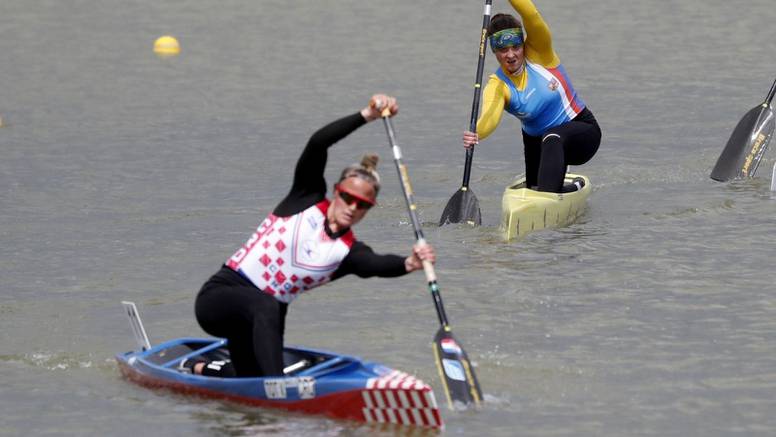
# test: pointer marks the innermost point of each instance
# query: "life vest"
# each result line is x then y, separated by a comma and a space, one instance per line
289, 255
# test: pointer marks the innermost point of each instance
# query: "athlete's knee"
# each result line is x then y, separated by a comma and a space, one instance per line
552, 143
551, 140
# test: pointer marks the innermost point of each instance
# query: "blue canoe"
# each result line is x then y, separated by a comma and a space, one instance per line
315, 382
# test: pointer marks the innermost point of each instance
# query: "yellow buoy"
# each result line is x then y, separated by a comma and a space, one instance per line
166, 46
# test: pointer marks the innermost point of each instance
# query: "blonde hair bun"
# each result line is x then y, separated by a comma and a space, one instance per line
369, 161
366, 170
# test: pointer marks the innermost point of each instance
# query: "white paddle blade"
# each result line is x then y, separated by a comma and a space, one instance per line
137, 326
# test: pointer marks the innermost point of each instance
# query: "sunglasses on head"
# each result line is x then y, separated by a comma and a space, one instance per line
350, 198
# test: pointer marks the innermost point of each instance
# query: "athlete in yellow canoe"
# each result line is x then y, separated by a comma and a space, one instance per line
532, 84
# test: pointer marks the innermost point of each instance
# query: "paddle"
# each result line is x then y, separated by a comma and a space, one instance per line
464, 206
747, 144
773, 178
454, 367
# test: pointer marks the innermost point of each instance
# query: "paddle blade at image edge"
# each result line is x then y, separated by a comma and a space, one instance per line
731, 161
761, 136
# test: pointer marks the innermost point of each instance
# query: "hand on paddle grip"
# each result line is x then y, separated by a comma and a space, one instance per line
470, 139
422, 253
380, 105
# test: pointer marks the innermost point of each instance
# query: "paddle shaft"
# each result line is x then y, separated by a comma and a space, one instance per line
771, 93
409, 198
467, 167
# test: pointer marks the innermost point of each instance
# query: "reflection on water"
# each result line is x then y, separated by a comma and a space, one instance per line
232, 420
238, 420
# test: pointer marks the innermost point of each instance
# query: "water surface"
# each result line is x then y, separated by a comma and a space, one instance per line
129, 177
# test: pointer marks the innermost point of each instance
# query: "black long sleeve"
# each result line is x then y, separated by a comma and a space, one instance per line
309, 186
363, 262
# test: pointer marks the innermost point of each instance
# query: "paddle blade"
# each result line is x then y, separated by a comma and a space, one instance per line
773, 178
456, 371
463, 207
746, 145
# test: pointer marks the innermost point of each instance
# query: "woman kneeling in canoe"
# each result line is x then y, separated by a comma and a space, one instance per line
531, 84
305, 242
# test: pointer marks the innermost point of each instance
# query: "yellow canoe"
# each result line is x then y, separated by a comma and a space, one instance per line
524, 210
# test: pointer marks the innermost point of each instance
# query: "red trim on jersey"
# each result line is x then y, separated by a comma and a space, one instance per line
349, 237
323, 205
558, 74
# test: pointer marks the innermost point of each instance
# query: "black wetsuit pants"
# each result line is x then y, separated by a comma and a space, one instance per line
572, 143
229, 306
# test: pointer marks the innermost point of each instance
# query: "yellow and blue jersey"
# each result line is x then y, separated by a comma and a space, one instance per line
548, 99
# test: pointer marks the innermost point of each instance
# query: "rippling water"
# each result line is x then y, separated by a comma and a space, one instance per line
127, 176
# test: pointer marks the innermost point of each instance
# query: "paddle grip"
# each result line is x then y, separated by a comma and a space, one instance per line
376, 103
428, 267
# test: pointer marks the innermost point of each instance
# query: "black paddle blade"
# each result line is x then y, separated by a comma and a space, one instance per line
746, 145
463, 207
456, 371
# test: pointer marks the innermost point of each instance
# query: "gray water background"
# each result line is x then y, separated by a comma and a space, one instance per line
124, 176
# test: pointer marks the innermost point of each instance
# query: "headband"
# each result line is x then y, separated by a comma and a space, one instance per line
506, 38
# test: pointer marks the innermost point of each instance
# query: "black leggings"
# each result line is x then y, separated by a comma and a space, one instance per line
572, 143
228, 306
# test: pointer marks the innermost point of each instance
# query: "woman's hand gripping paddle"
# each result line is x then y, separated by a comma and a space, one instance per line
747, 144
464, 207
456, 371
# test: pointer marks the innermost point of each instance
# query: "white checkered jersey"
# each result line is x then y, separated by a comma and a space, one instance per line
289, 255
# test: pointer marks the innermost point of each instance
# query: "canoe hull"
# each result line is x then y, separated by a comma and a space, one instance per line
524, 211
333, 385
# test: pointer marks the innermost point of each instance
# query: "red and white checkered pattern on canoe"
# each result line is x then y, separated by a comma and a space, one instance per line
400, 398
